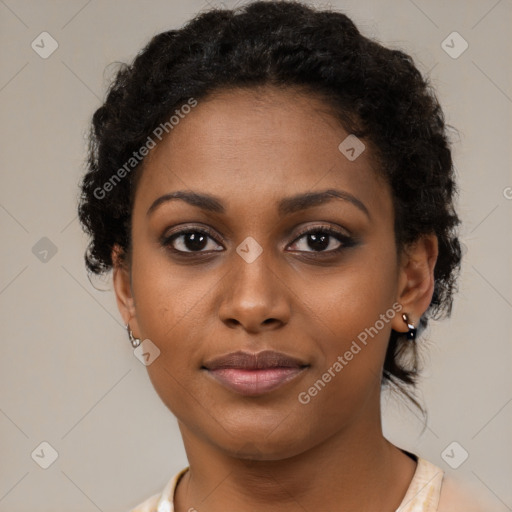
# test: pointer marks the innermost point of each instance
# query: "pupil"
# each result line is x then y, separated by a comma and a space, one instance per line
318, 242
195, 241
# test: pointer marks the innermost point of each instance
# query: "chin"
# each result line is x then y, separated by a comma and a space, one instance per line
258, 442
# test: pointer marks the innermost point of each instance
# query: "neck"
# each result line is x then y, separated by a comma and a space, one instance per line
354, 470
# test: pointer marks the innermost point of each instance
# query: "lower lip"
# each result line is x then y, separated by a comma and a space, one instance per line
254, 382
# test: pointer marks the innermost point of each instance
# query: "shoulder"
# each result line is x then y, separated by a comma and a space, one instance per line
457, 495
148, 505
164, 501
432, 490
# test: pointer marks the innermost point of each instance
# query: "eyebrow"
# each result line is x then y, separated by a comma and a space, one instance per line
285, 206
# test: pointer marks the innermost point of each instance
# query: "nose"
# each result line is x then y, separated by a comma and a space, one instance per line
254, 297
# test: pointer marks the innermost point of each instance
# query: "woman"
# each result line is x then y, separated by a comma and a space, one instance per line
274, 193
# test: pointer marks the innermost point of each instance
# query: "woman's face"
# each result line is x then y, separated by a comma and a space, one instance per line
256, 282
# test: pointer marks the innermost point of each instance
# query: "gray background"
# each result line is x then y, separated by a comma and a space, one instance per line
67, 372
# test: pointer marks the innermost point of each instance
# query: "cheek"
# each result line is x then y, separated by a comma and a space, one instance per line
167, 297
352, 299
172, 312
354, 309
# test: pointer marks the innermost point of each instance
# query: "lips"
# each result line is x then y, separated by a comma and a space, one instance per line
254, 361
253, 374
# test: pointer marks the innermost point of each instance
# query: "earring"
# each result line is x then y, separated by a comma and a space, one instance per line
411, 334
134, 341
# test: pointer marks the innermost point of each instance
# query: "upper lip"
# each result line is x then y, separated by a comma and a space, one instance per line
254, 361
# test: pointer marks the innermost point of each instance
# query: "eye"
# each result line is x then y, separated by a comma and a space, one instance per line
322, 238
191, 240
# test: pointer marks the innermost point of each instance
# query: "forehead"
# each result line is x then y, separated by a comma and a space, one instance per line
250, 144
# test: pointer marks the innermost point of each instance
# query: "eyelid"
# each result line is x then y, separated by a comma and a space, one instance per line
346, 241
181, 230
322, 227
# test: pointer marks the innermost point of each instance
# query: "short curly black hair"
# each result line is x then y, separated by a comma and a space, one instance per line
377, 93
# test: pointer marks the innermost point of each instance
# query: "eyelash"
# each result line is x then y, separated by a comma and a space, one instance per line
345, 240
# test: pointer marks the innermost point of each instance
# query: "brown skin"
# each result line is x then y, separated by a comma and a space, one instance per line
269, 452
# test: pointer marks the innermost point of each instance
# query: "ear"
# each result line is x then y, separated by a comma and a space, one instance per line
416, 280
123, 289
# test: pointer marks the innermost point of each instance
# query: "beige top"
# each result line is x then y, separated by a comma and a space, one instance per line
429, 491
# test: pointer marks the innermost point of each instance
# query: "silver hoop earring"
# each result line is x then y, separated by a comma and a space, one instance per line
134, 341
411, 334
